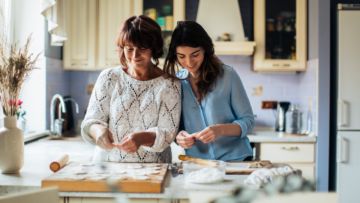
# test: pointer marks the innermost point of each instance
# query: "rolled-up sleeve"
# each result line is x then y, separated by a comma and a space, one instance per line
169, 117
241, 105
99, 104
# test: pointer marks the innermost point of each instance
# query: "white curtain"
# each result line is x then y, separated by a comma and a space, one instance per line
5, 20
53, 11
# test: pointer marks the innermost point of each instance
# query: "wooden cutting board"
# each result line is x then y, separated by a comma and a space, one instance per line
125, 177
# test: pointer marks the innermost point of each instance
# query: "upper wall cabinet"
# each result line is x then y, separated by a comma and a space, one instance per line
166, 13
92, 27
79, 48
280, 35
112, 13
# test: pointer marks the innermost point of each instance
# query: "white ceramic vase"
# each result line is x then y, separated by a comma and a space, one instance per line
11, 146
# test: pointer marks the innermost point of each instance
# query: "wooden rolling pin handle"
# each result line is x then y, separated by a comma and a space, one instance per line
58, 164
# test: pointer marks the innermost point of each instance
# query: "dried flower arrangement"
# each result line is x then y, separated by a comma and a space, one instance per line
15, 65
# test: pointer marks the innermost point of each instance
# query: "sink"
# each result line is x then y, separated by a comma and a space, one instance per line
31, 136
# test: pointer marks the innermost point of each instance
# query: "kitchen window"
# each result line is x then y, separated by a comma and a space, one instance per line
5, 19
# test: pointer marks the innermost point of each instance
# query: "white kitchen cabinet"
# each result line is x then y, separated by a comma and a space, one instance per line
80, 23
298, 155
111, 15
92, 27
280, 32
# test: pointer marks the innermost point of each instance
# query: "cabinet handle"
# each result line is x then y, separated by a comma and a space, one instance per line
343, 146
343, 113
294, 148
286, 65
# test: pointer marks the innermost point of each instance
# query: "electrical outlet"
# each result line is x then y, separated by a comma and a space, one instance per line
257, 91
89, 88
268, 104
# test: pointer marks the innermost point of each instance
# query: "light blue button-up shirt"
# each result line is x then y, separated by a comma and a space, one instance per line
226, 103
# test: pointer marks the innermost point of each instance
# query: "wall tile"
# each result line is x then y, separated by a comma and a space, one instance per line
294, 87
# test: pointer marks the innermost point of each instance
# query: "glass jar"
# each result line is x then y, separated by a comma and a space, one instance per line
293, 120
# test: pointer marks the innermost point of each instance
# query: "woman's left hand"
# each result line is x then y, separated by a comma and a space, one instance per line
128, 144
207, 135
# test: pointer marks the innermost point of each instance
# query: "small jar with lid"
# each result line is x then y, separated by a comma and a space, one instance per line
293, 120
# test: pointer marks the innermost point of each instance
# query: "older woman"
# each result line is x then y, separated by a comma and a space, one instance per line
134, 110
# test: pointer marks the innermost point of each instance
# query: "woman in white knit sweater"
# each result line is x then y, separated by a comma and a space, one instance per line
134, 109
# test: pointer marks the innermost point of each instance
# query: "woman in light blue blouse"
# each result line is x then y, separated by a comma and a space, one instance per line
216, 112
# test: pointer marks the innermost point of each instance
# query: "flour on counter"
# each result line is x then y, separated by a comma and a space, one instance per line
262, 176
205, 175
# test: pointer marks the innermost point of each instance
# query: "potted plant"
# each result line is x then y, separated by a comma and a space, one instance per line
15, 65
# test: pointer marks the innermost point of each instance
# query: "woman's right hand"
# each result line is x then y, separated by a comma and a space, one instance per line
102, 136
185, 140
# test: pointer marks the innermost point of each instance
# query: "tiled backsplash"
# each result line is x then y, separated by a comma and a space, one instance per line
297, 88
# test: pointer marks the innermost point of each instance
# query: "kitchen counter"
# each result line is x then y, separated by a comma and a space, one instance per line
267, 135
39, 154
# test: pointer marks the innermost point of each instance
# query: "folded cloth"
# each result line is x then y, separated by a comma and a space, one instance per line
265, 175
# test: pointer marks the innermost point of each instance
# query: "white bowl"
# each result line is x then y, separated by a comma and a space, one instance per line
204, 174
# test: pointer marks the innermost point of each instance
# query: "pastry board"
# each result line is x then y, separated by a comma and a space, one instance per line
124, 177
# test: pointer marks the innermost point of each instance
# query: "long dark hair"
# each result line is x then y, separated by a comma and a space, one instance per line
192, 34
143, 32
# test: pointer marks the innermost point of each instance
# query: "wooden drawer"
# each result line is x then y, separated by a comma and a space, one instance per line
288, 152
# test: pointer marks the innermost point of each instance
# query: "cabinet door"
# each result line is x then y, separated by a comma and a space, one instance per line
166, 13
112, 13
79, 49
348, 165
280, 35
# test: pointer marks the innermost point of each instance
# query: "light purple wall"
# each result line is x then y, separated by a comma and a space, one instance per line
78, 82
294, 87
57, 82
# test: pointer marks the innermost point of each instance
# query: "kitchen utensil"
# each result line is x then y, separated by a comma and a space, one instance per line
198, 160
59, 163
175, 169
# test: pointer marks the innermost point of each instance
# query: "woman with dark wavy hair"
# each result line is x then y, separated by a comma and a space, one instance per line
216, 112
134, 110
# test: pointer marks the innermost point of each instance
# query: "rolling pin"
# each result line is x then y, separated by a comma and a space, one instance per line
59, 163
197, 160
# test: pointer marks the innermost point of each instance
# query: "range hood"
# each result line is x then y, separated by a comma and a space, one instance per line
219, 17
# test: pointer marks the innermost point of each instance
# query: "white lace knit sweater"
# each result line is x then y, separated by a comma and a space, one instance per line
126, 105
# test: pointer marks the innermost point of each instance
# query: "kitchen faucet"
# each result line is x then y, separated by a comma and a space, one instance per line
72, 100
56, 124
